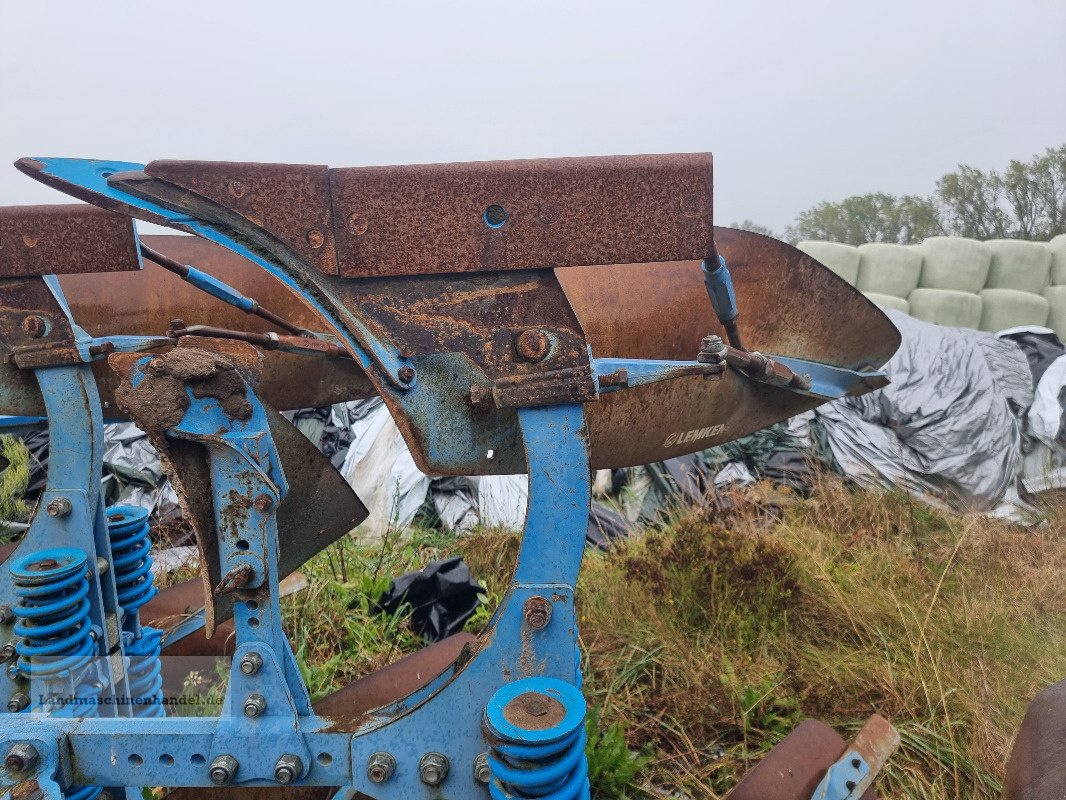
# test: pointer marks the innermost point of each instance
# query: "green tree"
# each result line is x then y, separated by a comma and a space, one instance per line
754, 227
877, 217
1025, 201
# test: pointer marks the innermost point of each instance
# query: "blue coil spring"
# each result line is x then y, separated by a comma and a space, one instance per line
537, 730
144, 674
54, 629
127, 528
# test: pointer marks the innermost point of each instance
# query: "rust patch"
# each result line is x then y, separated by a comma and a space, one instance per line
62, 239
290, 201
534, 711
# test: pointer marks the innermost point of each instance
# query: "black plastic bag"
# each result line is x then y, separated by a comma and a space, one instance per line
442, 596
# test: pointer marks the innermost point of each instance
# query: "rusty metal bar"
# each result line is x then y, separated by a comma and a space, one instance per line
267, 341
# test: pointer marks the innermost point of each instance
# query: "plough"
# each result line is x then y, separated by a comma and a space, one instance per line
546, 317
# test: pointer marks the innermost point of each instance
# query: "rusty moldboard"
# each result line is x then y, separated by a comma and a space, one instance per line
65, 239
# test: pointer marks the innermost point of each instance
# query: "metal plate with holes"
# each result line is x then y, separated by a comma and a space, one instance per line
63, 239
468, 217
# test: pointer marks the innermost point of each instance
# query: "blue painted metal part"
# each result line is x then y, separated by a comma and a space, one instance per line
537, 762
719, 285
445, 716
841, 781
92, 174
217, 289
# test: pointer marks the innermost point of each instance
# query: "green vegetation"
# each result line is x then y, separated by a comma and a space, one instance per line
738, 626
1027, 200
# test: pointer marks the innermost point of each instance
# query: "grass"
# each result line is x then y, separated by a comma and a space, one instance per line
737, 627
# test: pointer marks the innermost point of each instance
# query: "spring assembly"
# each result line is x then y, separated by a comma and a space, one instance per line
536, 728
127, 528
54, 630
144, 674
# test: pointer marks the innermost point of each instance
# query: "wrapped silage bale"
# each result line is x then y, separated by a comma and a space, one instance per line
1008, 308
1057, 246
946, 307
1019, 265
1056, 318
888, 269
889, 301
960, 265
843, 259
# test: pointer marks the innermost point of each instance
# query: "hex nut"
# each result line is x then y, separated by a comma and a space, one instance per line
21, 757
433, 769
251, 663
255, 705
18, 702
538, 612
223, 769
59, 507
380, 767
7, 614
482, 772
289, 767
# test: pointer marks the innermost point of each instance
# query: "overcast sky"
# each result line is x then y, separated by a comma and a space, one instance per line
799, 101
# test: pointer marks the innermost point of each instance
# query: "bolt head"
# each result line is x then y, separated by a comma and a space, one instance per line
18, 701
35, 326
433, 769
263, 503
6, 614
533, 344
538, 612
482, 772
223, 769
288, 768
251, 663
21, 757
59, 507
254, 705
407, 374
380, 767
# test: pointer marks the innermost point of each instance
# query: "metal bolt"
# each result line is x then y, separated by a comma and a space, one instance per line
357, 224
18, 702
433, 769
21, 757
537, 611
6, 614
59, 507
263, 503
102, 565
533, 344
7, 652
223, 769
255, 705
380, 767
289, 768
236, 188
315, 239
13, 671
712, 350
482, 773
407, 374
35, 326
250, 663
